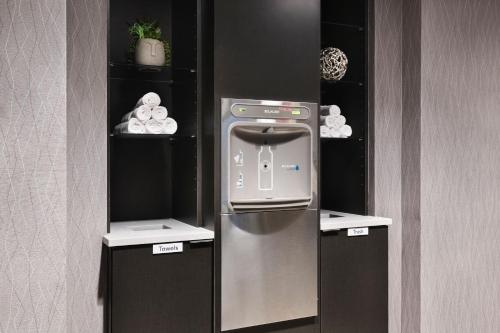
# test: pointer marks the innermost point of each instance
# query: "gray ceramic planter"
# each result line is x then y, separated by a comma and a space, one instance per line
150, 51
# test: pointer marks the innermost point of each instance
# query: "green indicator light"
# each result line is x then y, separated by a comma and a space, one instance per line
296, 112
242, 109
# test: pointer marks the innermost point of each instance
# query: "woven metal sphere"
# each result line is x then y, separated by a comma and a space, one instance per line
333, 64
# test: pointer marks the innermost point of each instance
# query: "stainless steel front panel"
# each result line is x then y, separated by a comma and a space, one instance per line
270, 165
269, 217
306, 148
269, 267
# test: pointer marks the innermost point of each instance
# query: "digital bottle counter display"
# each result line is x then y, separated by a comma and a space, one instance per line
273, 112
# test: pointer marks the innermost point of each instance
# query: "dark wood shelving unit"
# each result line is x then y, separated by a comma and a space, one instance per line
141, 73
344, 25
344, 161
157, 176
354, 286
341, 83
138, 67
171, 137
343, 139
165, 168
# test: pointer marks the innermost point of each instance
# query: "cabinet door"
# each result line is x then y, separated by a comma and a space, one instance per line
354, 282
161, 293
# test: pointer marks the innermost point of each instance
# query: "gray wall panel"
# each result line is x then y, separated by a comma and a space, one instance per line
410, 273
32, 166
87, 161
460, 166
387, 139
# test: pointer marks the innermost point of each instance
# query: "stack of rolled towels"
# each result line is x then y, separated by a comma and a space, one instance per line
333, 123
148, 117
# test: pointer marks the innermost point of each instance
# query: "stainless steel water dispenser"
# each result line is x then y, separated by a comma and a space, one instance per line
269, 213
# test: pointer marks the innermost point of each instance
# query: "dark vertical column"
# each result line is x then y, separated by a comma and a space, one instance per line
263, 49
267, 49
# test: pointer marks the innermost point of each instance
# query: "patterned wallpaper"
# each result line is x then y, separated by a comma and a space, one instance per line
460, 173
32, 166
387, 139
87, 162
52, 165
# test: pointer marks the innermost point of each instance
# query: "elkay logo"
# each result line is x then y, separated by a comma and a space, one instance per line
167, 248
292, 167
271, 111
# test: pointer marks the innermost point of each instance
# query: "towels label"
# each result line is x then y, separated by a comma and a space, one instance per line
167, 248
357, 232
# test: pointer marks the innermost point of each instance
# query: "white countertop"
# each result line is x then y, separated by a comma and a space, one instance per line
346, 221
153, 231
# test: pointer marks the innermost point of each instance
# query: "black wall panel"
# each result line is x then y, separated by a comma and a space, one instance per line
264, 49
267, 49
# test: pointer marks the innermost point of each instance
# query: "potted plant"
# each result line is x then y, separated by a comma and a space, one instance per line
147, 43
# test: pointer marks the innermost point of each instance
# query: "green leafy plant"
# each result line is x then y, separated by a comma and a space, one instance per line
148, 29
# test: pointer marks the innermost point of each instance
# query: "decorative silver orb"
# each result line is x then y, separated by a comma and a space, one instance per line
333, 64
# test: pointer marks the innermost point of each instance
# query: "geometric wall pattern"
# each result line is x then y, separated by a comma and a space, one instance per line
52, 164
33, 150
87, 162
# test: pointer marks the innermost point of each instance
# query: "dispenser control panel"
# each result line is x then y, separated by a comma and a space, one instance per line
270, 111
269, 166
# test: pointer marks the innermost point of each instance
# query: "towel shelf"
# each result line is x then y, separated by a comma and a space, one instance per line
344, 25
350, 139
345, 162
153, 136
342, 82
140, 68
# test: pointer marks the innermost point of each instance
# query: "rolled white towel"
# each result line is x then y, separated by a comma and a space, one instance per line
328, 121
154, 126
169, 126
334, 133
334, 110
345, 131
338, 122
159, 113
142, 112
330, 110
150, 98
324, 131
335, 122
132, 126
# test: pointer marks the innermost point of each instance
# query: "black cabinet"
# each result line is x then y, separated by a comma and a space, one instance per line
163, 292
354, 291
